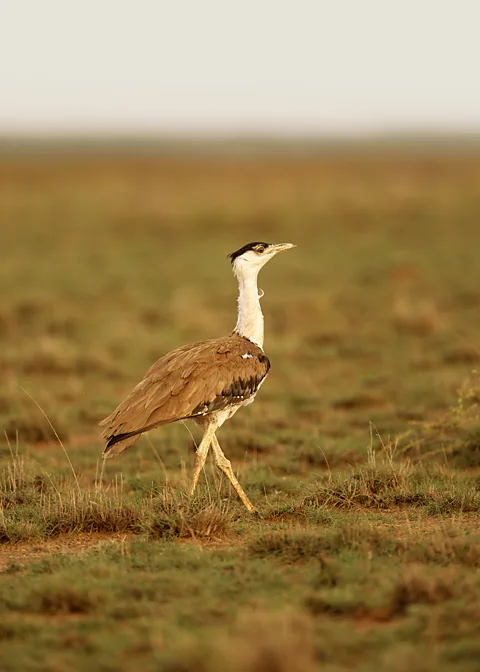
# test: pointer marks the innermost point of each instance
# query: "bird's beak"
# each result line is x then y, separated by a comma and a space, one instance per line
281, 247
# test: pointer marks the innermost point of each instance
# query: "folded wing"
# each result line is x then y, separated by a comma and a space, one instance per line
192, 381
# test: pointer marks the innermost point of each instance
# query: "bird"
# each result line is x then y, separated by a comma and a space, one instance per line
207, 381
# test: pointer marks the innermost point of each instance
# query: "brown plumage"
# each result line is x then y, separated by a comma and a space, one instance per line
190, 382
206, 381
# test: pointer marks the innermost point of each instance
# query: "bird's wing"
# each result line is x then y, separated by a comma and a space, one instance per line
191, 381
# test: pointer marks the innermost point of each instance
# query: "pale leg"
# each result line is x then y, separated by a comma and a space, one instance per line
226, 467
201, 456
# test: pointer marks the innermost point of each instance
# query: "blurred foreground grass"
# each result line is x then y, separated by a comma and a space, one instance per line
362, 451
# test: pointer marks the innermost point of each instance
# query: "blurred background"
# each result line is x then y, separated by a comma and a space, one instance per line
142, 142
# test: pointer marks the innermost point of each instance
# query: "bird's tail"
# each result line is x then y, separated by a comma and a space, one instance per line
117, 444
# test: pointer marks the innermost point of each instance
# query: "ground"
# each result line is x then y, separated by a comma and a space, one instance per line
361, 451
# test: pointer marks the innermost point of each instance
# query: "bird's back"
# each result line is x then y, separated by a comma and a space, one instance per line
192, 381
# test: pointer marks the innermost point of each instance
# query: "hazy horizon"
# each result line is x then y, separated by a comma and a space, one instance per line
309, 68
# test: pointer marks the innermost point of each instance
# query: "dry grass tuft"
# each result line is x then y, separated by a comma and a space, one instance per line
207, 523
290, 545
60, 600
260, 641
41, 506
447, 549
398, 484
312, 543
418, 587
278, 642
452, 435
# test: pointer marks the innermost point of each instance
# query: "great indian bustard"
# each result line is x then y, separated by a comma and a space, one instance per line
206, 381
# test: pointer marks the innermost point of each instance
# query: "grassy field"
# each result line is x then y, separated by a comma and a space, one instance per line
361, 452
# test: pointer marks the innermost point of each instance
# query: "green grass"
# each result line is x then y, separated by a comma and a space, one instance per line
361, 453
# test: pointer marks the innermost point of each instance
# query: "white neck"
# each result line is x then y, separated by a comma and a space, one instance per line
250, 316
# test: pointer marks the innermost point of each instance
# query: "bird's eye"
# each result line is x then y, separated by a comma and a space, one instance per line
260, 249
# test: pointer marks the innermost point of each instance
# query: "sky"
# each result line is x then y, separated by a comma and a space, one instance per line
232, 66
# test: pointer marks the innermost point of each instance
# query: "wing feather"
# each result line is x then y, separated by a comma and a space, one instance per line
193, 380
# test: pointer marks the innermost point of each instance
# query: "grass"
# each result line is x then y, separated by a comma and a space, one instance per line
362, 451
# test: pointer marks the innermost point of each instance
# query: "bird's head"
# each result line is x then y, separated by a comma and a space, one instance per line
250, 258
